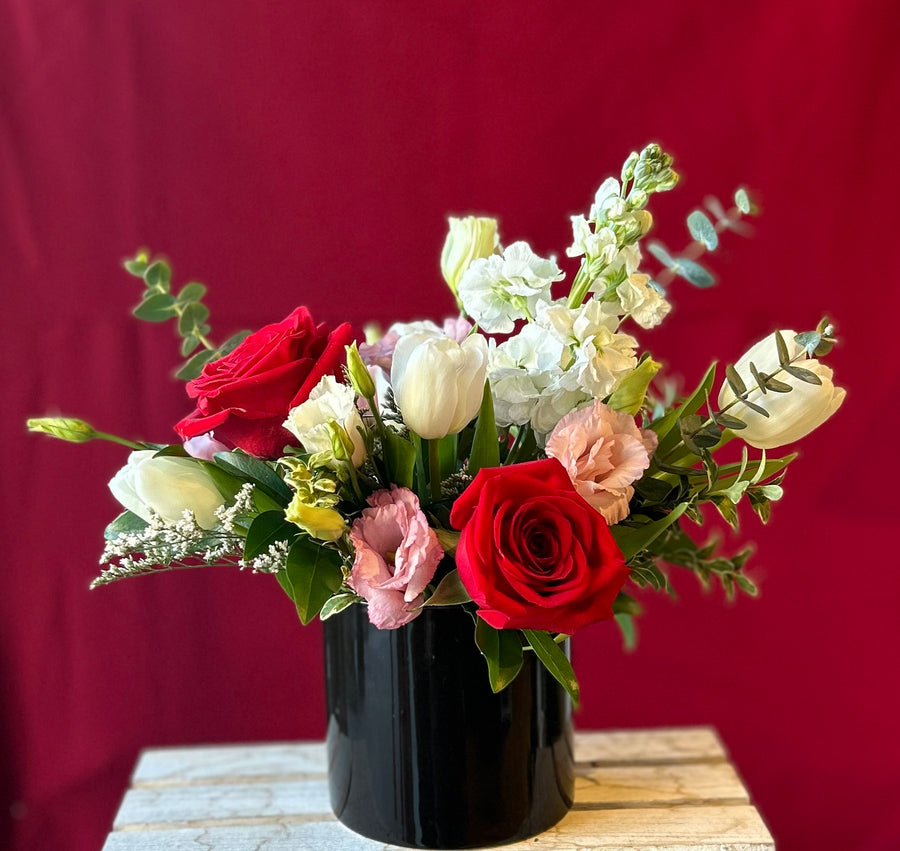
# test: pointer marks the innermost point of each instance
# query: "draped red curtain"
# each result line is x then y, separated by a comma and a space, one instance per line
308, 153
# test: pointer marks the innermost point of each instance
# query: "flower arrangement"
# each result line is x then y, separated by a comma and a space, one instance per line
522, 461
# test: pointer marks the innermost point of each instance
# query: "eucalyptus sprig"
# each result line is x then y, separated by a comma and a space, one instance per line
705, 235
159, 304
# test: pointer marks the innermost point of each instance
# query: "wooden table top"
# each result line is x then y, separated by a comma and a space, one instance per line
656, 790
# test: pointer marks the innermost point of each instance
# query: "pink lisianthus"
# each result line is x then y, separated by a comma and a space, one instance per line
397, 553
603, 452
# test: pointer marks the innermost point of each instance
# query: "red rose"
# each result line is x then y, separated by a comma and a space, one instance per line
532, 553
246, 395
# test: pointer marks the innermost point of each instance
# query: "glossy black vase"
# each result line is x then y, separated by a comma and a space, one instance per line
422, 753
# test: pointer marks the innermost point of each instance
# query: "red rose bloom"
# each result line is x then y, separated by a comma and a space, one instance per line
532, 553
246, 395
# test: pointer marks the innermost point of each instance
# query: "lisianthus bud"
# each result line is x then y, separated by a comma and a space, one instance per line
438, 383
65, 428
792, 415
359, 374
467, 239
167, 486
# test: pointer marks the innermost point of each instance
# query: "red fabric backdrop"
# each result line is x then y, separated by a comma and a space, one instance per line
292, 153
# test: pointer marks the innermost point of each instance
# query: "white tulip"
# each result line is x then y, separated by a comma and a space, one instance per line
791, 415
329, 401
166, 486
438, 383
467, 240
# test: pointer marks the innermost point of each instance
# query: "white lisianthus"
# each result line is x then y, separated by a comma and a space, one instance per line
438, 383
498, 290
329, 402
792, 415
642, 300
468, 239
167, 486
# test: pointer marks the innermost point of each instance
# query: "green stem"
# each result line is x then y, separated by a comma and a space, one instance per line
434, 470
102, 435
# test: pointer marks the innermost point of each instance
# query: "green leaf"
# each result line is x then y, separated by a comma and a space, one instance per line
127, 521
400, 458
266, 529
703, 230
693, 273
192, 317
554, 659
802, 374
485, 446
450, 591
659, 252
777, 386
194, 366
728, 421
784, 356
627, 627
188, 344
759, 378
632, 539
136, 267
669, 436
338, 603
502, 650
158, 276
735, 381
754, 407
231, 343
315, 575
742, 201
727, 509
251, 469
156, 307
191, 292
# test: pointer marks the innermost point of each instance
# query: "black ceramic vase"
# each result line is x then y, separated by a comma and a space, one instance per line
422, 753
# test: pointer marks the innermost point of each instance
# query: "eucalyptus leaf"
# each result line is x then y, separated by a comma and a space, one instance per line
156, 307
703, 230
136, 267
742, 201
728, 421
555, 660
231, 343
759, 378
315, 575
802, 374
191, 292
627, 627
735, 382
777, 386
657, 249
158, 276
693, 273
192, 317
188, 344
632, 539
784, 356
502, 650
194, 365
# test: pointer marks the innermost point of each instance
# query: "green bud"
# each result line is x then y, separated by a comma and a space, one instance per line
65, 428
341, 443
358, 372
629, 166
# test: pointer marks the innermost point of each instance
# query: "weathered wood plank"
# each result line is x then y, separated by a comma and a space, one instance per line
730, 828
685, 744
236, 762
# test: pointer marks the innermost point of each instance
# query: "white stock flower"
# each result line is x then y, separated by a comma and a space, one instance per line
525, 374
792, 415
329, 402
167, 486
642, 300
498, 290
438, 383
600, 356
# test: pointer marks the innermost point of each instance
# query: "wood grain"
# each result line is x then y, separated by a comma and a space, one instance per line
654, 790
